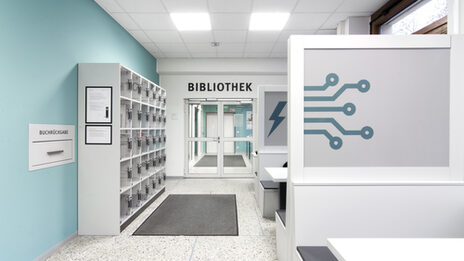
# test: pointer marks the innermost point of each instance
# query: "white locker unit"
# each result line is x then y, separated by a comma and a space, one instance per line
121, 166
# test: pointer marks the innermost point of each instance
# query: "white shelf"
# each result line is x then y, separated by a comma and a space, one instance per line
98, 200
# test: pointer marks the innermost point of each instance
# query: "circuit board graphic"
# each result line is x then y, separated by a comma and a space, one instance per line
348, 109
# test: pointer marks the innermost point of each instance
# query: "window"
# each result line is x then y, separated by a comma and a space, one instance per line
403, 17
417, 17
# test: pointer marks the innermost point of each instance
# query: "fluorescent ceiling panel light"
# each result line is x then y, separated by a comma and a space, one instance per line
191, 21
268, 21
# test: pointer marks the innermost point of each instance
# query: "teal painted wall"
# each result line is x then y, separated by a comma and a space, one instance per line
41, 44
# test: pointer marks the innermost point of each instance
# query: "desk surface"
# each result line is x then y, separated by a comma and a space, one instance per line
398, 249
277, 174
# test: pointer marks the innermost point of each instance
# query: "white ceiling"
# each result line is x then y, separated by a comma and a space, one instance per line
148, 21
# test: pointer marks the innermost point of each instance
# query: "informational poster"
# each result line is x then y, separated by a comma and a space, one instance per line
275, 118
98, 104
249, 120
98, 135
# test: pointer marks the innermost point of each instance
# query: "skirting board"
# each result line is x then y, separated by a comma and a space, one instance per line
52, 250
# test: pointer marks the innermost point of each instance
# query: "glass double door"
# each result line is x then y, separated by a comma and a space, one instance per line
219, 138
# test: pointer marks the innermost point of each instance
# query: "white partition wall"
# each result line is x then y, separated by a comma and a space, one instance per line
375, 144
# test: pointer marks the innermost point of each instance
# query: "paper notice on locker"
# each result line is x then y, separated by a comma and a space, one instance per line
98, 108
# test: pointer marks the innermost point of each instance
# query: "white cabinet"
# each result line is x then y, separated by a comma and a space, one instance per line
118, 179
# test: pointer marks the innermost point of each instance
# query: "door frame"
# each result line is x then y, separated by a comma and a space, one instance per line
220, 139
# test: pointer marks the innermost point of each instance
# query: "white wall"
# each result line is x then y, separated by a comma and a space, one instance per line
175, 74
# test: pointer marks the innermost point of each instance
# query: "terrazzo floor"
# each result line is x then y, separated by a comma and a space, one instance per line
256, 240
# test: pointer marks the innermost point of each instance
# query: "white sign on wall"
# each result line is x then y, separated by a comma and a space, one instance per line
378, 108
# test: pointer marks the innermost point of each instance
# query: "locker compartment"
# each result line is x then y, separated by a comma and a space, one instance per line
136, 87
145, 141
153, 181
145, 190
125, 174
126, 114
152, 94
126, 85
152, 141
163, 178
136, 143
126, 144
151, 158
146, 92
145, 116
160, 180
136, 115
136, 196
137, 169
151, 123
145, 165
126, 205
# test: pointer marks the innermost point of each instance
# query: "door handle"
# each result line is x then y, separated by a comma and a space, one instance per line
219, 139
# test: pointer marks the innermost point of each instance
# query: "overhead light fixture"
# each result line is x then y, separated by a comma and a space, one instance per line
191, 21
268, 21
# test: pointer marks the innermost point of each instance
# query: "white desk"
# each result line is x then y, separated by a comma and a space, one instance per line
397, 249
277, 174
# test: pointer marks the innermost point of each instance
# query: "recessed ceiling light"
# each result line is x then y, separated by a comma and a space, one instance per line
268, 21
191, 21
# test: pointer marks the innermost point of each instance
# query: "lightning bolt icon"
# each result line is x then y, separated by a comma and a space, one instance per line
275, 116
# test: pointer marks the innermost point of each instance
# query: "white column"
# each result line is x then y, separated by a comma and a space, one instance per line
455, 16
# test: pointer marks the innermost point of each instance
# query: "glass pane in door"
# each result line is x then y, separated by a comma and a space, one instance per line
203, 121
202, 157
237, 131
237, 158
238, 120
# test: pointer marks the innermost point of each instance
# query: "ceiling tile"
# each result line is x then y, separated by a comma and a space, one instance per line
230, 36
286, 34
110, 5
151, 47
256, 55
317, 6
230, 55
278, 55
203, 55
201, 48
361, 6
157, 55
231, 47
273, 5
229, 6
140, 36
280, 47
327, 31
197, 36
153, 21
186, 5
336, 18
230, 21
306, 21
142, 6
177, 55
172, 48
164, 36
257, 36
125, 21
258, 47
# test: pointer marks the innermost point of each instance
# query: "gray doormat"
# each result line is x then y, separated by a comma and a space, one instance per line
192, 215
229, 161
